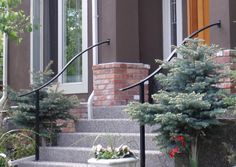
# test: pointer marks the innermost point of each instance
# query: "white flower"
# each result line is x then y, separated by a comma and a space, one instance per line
109, 149
3, 155
125, 148
117, 149
10, 163
99, 147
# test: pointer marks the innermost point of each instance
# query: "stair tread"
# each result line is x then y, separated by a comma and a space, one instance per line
107, 134
115, 119
112, 126
88, 139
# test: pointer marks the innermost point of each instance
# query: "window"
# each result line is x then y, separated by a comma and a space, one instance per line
172, 25
72, 39
173, 22
36, 48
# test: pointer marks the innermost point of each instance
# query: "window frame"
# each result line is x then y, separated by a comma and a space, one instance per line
166, 17
75, 87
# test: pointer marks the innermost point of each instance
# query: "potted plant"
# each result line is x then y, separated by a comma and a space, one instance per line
112, 157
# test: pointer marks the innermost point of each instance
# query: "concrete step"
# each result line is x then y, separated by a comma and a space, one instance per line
105, 139
81, 155
111, 125
65, 154
50, 164
110, 112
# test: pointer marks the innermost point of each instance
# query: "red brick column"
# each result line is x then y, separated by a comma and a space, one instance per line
109, 78
228, 59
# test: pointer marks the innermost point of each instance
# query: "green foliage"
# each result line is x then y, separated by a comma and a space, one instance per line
112, 153
189, 100
3, 162
13, 21
231, 153
15, 144
54, 106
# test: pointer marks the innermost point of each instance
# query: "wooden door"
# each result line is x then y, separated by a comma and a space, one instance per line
198, 17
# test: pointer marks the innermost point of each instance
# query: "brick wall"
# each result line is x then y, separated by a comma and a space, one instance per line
228, 59
80, 112
109, 78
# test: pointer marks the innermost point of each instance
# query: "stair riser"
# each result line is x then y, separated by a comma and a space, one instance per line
65, 155
115, 112
78, 156
80, 140
111, 126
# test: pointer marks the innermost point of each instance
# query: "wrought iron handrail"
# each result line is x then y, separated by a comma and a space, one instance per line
170, 56
141, 93
37, 91
66, 66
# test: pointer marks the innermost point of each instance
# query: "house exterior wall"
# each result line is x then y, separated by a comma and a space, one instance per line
135, 30
219, 10
232, 5
118, 21
19, 57
223, 10
185, 19
150, 32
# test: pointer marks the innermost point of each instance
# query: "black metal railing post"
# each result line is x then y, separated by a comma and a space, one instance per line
142, 129
37, 123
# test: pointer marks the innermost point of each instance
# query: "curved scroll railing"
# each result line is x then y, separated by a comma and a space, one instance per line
141, 84
36, 91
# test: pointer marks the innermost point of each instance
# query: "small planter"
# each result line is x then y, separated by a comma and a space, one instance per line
123, 162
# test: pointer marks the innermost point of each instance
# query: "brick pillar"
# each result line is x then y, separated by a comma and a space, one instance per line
228, 59
110, 77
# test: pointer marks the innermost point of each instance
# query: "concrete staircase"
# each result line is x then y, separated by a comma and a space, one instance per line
110, 125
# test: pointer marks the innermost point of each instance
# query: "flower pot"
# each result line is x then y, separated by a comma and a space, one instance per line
123, 162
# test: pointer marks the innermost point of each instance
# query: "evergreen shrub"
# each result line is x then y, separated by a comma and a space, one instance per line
189, 101
54, 106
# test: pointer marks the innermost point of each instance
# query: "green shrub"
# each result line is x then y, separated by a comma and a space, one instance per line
189, 101
15, 144
13, 22
53, 106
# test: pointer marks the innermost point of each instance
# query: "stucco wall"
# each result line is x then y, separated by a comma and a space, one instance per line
223, 10
19, 57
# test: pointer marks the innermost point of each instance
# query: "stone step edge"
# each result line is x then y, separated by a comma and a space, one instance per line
54, 163
109, 134
21, 160
117, 119
90, 149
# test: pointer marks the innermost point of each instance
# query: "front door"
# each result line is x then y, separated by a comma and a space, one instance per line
198, 17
